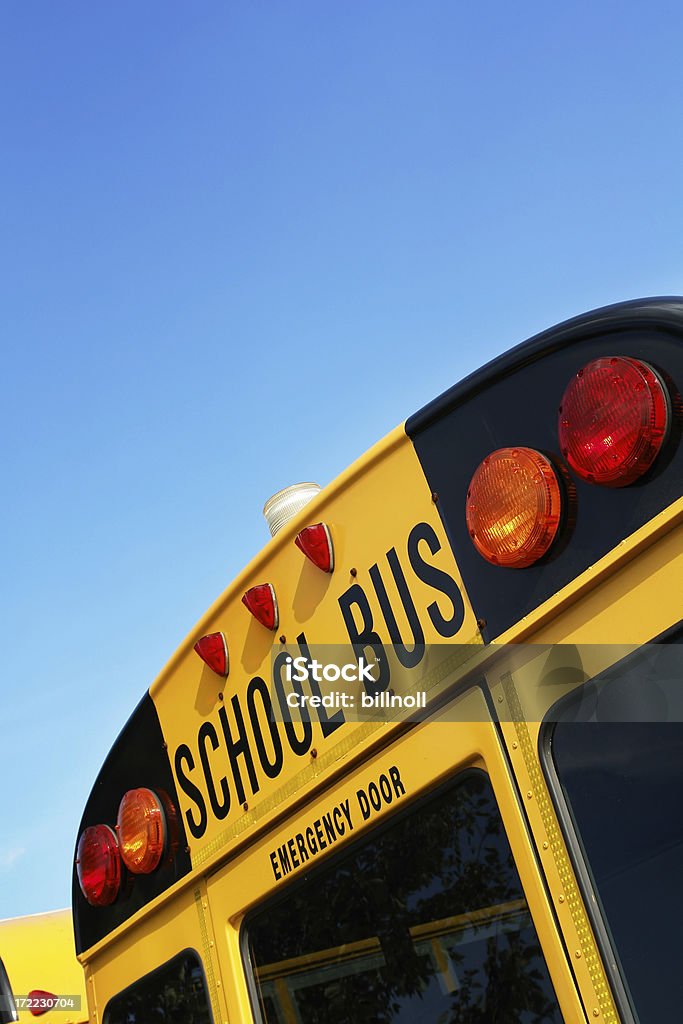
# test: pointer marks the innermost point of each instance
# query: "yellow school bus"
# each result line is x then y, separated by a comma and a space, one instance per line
39, 973
422, 760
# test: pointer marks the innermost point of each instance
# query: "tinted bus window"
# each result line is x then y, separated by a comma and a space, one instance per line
424, 922
173, 994
8, 1010
622, 779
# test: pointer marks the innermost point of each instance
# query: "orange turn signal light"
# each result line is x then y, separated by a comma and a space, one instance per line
141, 828
514, 504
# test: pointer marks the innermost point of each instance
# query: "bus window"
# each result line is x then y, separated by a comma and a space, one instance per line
620, 767
424, 921
8, 1010
173, 994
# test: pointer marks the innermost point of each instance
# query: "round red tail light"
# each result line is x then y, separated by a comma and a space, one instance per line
613, 420
141, 828
514, 505
98, 865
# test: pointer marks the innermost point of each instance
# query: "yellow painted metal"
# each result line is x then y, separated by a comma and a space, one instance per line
629, 598
38, 953
370, 509
179, 924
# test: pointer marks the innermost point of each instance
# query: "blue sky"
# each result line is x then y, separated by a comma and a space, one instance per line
239, 242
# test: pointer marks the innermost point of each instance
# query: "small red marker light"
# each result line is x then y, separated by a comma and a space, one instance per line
316, 543
213, 650
262, 603
41, 1001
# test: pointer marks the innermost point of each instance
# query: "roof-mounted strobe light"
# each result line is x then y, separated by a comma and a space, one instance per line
213, 650
141, 828
287, 503
513, 507
316, 543
262, 603
98, 865
613, 420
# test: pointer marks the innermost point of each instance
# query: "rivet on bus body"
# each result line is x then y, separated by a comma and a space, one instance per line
220, 696
283, 639
187, 849
245, 806
546, 845
435, 497
514, 744
577, 954
596, 1012
560, 898
353, 572
529, 795
314, 753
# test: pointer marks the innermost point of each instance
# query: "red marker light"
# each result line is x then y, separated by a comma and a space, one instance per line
262, 603
613, 420
316, 543
98, 865
213, 650
41, 1001
513, 507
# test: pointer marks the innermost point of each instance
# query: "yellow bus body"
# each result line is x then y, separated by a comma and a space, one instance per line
39, 957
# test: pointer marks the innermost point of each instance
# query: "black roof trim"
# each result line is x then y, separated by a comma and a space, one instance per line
655, 312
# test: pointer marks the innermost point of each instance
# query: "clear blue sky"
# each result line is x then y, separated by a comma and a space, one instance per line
238, 243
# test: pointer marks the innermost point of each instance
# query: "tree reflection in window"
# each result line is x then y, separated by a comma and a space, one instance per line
173, 994
423, 922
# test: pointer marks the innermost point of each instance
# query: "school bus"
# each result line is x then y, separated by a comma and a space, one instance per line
497, 838
39, 973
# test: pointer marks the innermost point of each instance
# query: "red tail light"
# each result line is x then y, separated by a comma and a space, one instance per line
316, 543
262, 603
613, 420
98, 865
513, 507
213, 650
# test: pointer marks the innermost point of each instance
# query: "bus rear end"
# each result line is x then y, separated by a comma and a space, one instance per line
506, 850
